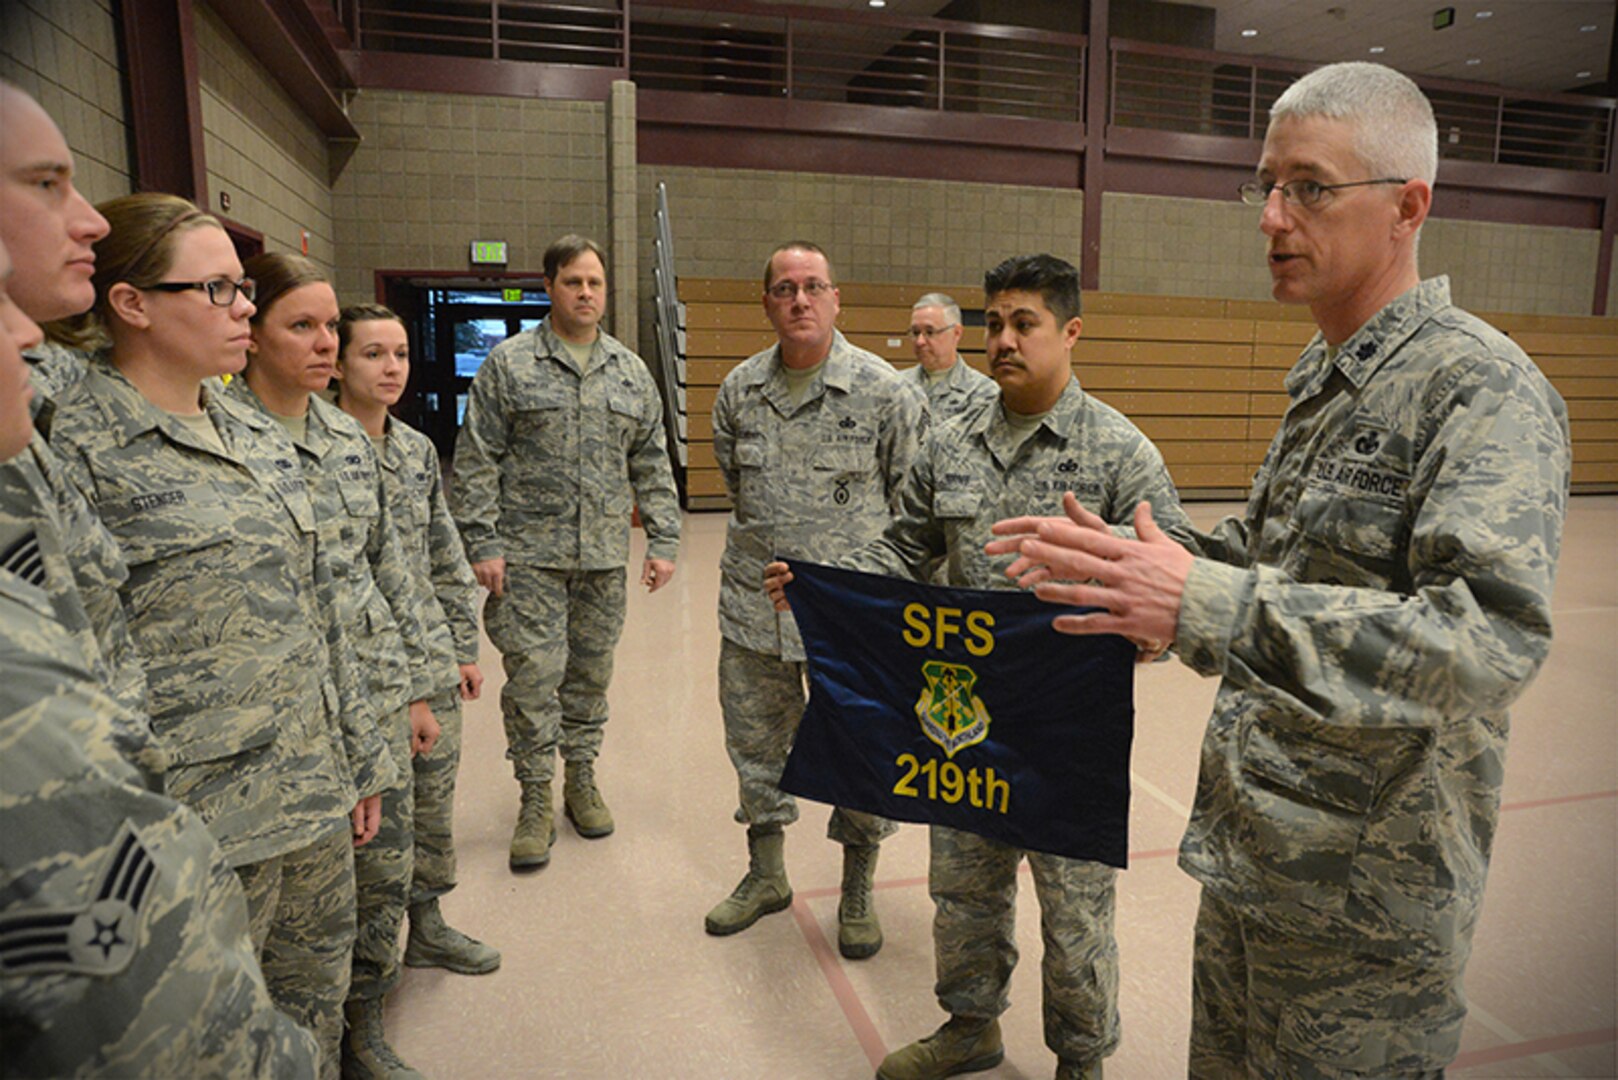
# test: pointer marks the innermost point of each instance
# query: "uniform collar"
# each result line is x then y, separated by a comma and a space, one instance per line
548, 345
837, 374
129, 413
1369, 347
990, 424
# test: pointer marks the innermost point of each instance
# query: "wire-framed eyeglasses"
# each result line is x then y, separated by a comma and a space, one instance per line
221, 291
1303, 193
786, 290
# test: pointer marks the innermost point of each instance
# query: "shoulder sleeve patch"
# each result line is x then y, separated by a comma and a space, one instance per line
99, 937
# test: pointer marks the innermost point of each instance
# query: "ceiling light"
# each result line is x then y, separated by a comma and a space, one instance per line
879, 3
1582, 75
1485, 14
1377, 49
1586, 28
1473, 62
1249, 33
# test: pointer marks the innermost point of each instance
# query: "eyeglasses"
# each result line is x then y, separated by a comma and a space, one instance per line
786, 290
221, 291
1304, 193
927, 333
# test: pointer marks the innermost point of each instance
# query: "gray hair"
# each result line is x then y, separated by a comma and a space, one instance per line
952, 310
1394, 130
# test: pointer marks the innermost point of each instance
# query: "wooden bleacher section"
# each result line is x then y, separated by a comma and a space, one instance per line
1201, 377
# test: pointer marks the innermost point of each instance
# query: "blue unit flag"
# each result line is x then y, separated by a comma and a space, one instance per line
963, 707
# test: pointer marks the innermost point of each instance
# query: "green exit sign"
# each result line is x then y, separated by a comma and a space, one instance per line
511, 296
489, 251
1443, 18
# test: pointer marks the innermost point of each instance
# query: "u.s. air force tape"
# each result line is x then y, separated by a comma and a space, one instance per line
99, 937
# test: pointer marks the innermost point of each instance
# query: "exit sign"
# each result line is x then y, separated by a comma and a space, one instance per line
511, 296
489, 251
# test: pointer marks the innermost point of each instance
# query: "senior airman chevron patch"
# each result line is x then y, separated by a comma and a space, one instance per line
96, 938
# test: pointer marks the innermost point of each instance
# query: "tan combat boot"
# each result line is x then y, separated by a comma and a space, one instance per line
366, 1053
581, 801
536, 830
435, 943
762, 891
962, 1045
859, 935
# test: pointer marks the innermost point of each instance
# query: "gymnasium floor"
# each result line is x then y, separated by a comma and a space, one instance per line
608, 973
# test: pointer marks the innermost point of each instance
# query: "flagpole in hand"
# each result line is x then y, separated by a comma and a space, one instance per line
776, 578
1137, 582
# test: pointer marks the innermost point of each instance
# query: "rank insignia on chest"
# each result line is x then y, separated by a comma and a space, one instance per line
98, 937
848, 423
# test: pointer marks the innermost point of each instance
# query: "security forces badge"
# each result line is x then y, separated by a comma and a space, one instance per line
97, 938
950, 714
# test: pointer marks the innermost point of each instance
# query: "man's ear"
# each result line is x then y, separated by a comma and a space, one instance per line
1415, 201
1071, 331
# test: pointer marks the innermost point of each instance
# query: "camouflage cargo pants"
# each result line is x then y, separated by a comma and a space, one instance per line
382, 874
556, 631
762, 698
973, 882
434, 865
301, 910
1270, 1004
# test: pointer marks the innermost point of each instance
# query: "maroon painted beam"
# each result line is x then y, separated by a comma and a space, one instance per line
375, 70
1097, 108
292, 45
737, 132
158, 41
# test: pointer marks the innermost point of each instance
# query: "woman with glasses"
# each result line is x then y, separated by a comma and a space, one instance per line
292, 355
228, 600
373, 369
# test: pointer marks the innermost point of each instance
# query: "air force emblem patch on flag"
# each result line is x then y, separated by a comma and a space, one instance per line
951, 715
963, 707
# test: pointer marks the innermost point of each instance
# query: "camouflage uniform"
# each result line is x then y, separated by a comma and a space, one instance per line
1382, 603
46, 525
96, 566
413, 482
972, 474
380, 604
962, 387
808, 482
232, 608
124, 947
548, 464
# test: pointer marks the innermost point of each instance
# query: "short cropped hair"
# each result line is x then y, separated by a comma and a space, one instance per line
952, 310
1056, 281
797, 245
1395, 134
567, 248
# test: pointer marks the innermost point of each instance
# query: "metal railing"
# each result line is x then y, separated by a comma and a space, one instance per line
587, 33
819, 54
668, 324
737, 47
1170, 88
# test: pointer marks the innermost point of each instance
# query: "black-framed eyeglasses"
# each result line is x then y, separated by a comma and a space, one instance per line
786, 290
221, 291
1304, 193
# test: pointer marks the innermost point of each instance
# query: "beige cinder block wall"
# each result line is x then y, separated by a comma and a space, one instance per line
65, 53
260, 148
1200, 247
931, 232
436, 171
